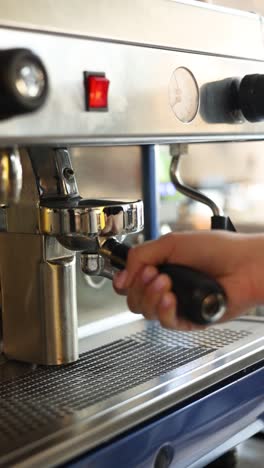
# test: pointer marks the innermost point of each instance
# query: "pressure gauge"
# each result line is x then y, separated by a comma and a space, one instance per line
184, 94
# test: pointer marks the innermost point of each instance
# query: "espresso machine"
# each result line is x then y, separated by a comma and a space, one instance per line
97, 84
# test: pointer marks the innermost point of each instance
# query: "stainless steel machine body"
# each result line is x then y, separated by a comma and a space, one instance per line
168, 84
128, 372
132, 59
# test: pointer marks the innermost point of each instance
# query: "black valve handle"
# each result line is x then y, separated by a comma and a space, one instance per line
200, 299
223, 223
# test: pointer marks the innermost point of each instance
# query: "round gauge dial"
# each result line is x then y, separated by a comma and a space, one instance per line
184, 94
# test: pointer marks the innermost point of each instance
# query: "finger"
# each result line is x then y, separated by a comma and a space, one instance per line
166, 311
168, 317
187, 325
153, 294
136, 291
118, 283
121, 292
150, 253
119, 280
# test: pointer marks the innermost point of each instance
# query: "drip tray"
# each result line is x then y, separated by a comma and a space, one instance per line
127, 374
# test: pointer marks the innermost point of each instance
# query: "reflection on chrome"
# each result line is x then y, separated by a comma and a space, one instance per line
87, 220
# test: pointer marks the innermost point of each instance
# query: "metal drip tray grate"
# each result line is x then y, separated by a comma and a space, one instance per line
33, 401
213, 338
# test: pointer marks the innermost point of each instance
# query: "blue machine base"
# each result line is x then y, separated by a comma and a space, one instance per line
192, 435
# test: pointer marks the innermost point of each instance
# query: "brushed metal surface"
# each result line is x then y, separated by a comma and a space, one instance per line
42, 267
139, 107
125, 375
160, 23
108, 172
39, 311
59, 309
10, 176
37, 245
54, 175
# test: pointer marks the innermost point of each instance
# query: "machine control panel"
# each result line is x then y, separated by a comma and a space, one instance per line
146, 94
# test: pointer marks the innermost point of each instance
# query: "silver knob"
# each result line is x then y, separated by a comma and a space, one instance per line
30, 80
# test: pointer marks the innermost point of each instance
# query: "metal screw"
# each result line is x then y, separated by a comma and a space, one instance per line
68, 173
164, 457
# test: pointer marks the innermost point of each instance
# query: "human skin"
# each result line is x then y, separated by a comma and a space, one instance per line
235, 260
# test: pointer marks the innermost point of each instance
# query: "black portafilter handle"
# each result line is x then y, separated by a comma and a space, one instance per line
200, 299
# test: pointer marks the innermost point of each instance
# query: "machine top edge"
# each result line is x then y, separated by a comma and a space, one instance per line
68, 141
169, 24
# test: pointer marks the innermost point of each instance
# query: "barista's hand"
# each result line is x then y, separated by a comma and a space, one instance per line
236, 261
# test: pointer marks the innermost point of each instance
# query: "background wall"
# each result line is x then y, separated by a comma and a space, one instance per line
248, 5
232, 174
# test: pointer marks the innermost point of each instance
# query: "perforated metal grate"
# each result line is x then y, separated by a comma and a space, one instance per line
31, 402
209, 338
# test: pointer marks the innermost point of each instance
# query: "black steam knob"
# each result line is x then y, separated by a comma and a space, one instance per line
251, 97
23, 82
